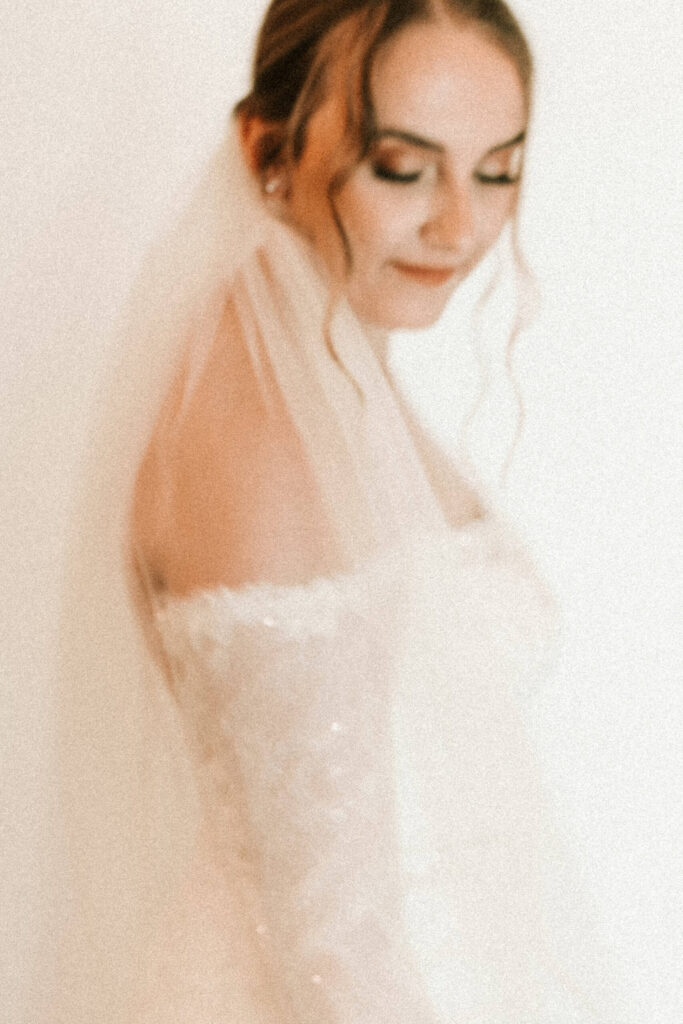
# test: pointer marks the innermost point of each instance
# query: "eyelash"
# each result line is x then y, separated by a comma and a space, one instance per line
386, 174
395, 177
501, 179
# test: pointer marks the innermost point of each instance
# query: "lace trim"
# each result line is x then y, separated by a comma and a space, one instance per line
307, 610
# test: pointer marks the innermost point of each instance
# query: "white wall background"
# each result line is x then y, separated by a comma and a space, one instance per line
107, 112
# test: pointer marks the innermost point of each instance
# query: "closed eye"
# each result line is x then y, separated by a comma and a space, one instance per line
503, 170
398, 177
499, 179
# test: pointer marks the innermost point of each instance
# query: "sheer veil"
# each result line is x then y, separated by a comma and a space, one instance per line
129, 803
129, 800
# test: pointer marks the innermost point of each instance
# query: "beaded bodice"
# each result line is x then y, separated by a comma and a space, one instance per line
367, 780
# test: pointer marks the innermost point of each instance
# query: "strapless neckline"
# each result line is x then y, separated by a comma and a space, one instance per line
310, 608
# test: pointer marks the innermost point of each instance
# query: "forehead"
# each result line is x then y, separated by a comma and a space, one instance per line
449, 83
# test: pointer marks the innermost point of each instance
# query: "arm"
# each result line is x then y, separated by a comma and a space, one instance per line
288, 693
292, 722
224, 496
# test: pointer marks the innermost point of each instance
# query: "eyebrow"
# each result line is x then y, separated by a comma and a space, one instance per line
513, 142
435, 147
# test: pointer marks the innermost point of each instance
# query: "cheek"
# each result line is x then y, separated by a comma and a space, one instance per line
376, 224
311, 214
495, 212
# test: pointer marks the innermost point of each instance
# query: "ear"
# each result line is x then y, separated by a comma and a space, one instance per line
261, 142
249, 130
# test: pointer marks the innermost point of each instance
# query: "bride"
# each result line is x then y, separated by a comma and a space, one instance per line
346, 628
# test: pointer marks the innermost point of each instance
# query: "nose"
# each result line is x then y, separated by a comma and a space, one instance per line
450, 222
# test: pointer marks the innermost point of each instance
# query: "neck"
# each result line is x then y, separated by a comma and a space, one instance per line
379, 339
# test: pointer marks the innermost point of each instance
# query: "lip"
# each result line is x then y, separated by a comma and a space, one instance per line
434, 277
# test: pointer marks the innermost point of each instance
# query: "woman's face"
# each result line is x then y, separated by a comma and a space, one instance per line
439, 182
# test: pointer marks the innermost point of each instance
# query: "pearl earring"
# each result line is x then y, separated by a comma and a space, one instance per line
272, 185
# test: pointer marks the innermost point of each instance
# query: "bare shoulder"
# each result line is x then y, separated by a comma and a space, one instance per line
225, 495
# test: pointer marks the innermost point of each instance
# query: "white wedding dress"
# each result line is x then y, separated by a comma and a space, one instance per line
376, 846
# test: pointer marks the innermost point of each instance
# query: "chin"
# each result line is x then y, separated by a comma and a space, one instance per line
402, 317
400, 312
419, 320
